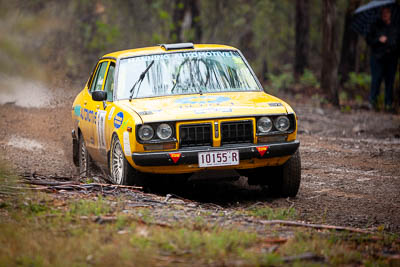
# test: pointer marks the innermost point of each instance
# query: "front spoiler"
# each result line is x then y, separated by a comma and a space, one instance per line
190, 155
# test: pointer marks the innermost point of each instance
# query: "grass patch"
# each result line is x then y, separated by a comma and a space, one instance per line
84, 207
39, 229
268, 213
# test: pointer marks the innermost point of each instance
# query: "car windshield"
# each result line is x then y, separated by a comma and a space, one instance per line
183, 73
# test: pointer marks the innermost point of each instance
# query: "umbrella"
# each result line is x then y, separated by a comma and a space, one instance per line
368, 14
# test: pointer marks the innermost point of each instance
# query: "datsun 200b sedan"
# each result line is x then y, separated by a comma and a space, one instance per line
184, 109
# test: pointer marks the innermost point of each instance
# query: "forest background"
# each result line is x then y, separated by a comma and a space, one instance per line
303, 47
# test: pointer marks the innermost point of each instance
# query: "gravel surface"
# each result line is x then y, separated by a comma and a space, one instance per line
350, 166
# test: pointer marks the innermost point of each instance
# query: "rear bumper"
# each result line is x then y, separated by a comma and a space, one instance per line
190, 156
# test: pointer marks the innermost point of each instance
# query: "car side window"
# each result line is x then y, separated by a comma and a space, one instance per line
109, 87
99, 77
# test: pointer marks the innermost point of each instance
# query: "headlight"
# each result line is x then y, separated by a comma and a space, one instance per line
164, 131
264, 125
146, 132
282, 123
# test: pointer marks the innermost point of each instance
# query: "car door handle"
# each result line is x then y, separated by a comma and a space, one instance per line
98, 106
84, 103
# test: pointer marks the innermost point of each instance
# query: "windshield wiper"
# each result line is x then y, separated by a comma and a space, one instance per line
139, 81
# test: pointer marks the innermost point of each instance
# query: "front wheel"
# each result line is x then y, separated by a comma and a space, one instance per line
282, 181
121, 171
291, 176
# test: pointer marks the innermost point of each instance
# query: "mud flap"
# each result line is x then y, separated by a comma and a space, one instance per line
75, 149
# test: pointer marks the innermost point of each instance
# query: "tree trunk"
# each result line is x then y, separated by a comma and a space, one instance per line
348, 55
329, 73
302, 37
264, 71
177, 21
186, 17
196, 23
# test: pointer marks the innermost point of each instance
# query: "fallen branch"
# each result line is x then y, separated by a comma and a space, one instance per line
279, 240
49, 183
306, 256
73, 185
114, 185
316, 226
111, 219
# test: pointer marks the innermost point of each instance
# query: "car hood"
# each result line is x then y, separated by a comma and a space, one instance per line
197, 107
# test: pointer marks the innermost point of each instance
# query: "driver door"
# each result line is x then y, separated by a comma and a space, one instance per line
104, 111
91, 106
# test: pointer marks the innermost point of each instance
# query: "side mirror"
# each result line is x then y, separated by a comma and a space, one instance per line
99, 95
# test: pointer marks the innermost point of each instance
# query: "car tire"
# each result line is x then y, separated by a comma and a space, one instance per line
287, 184
282, 181
121, 171
83, 158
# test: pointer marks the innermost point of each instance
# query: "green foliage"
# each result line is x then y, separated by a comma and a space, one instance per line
215, 244
358, 82
75, 33
308, 79
318, 99
274, 213
85, 207
105, 36
31, 236
281, 81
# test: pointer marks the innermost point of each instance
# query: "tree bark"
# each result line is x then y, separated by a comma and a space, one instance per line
196, 22
302, 37
186, 16
177, 20
348, 55
329, 73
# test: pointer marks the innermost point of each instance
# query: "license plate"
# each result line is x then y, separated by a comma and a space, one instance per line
218, 158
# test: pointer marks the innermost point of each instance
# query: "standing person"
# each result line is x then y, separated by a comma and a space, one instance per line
384, 41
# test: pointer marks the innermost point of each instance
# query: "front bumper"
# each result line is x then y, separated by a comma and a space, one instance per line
190, 155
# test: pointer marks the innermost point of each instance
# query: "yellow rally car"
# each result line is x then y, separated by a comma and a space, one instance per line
183, 109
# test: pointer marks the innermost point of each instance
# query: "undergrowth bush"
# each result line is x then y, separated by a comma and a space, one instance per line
358, 82
308, 79
281, 81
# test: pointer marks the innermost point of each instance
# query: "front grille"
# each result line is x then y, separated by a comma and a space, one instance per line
237, 132
195, 135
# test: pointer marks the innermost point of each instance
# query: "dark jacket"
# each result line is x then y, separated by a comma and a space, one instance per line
391, 47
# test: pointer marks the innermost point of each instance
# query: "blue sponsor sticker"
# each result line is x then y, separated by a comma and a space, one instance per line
202, 100
118, 120
77, 110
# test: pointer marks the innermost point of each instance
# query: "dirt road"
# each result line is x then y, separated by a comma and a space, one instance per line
350, 162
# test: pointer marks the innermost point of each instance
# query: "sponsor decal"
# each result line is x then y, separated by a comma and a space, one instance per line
201, 54
77, 110
118, 119
202, 100
88, 115
125, 123
127, 144
275, 104
175, 156
149, 112
100, 125
262, 150
111, 113
211, 110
